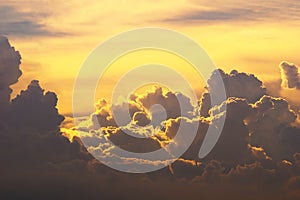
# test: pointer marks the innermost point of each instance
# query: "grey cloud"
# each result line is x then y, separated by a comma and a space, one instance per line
35, 108
212, 15
234, 11
270, 128
17, 23
10, 59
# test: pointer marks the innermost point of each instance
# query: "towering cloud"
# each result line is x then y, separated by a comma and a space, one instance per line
289, 75
10, 60
240, 85
35, 108
31, 145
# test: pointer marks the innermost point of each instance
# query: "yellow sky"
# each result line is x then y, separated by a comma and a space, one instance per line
251, 36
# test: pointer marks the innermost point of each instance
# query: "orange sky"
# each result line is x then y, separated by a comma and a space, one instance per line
57, 36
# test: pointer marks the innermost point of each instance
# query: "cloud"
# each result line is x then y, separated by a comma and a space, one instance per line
257, 154
242, 140
32, 108
233, 11
168, 100
232, 146
244, 156
141, 119
289, 75
31, 145
270, 127
35, 108
294, 186
30, 122
17, 23
10, 59
239, 85
231, 14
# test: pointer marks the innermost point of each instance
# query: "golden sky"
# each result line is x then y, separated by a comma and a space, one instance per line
54, 37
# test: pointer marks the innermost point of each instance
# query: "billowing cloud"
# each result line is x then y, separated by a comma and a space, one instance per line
289, 75
270, 128
35, 108
243, 158
239, 85
30, 141
10, 60
257, 154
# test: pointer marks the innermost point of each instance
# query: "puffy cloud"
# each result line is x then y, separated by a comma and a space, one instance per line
256, 154
238, 143
253, 172
239, 85
131, 143
31, 145
141, 119
156, 104
35, 108
270, 128
10, 60
104, 115
289, 75
232, 146
169, 101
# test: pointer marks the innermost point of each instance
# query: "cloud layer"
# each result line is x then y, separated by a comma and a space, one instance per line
257, 154
241, 11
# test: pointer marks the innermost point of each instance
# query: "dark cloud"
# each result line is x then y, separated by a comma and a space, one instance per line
17, 23
130, 143
30, 141
257, 156
10, 60
270, 128
35, 108
294, 187
232, 147
141, 119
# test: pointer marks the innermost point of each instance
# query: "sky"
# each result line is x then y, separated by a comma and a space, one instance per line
56, 37
150, 146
